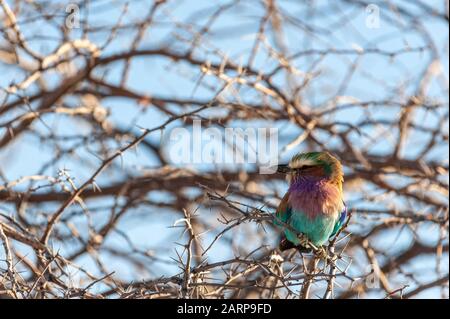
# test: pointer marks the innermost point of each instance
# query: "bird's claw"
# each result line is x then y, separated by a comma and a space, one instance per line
303, 240
321, 253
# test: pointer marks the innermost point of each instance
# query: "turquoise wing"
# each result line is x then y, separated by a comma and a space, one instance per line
340, 221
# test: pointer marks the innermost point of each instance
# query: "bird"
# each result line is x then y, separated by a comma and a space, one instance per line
313, 209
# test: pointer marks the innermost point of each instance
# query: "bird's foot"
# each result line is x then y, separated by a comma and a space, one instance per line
321, 253
304, 241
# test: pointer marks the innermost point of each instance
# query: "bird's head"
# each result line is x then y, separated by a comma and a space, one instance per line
313, 164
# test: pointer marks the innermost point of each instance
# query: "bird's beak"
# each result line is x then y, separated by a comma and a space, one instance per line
283, 168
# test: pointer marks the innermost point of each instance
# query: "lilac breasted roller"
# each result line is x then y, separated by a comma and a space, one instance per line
313, 206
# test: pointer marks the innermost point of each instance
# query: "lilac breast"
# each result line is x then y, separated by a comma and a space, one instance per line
315, 196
